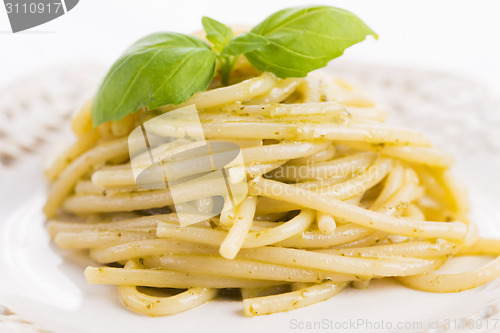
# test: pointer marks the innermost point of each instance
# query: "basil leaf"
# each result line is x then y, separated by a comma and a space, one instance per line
217, 33
159, 69
244, 43
303, 39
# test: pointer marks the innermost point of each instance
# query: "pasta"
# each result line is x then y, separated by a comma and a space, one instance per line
336, 197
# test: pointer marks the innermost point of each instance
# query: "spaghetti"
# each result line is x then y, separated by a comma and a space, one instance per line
336, 198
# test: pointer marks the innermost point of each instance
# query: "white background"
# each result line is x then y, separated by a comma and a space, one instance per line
462, 37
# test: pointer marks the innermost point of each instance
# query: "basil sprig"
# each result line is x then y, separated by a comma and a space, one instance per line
159, 69
168, 68
227, 46
305, 38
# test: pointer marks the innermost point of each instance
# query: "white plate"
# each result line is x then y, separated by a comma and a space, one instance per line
42, 287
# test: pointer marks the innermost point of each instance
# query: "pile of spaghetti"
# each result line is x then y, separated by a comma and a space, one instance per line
336, 198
